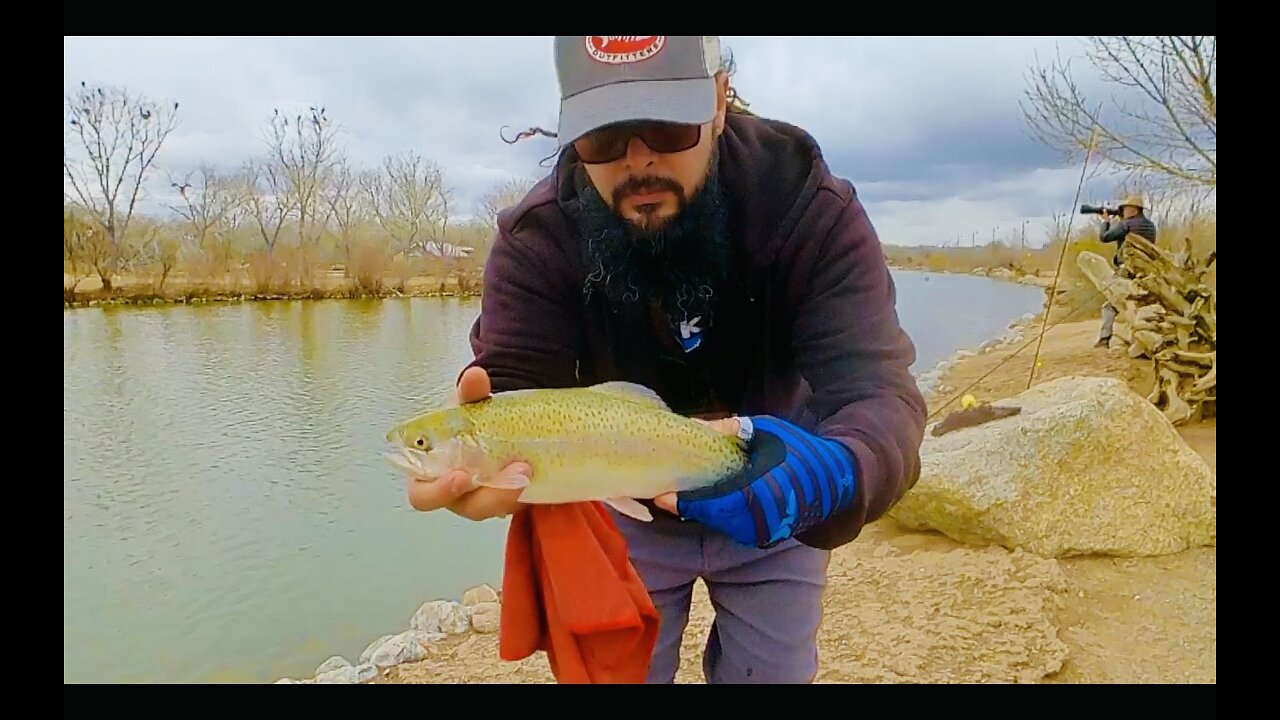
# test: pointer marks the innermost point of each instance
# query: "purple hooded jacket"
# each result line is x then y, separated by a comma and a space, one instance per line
809, 331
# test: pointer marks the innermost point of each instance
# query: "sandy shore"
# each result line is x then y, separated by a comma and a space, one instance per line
919, 607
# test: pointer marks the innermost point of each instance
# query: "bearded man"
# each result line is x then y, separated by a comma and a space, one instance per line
712, 256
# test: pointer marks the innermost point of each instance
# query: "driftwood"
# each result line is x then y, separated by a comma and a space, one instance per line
969, 417
1166, 312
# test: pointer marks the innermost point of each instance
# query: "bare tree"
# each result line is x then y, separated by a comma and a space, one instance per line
208, 203
346, 204
409, 199
1162, 128
502, 196
168, 249
85, 246
304, 149
265, 192
76, 255
120, 134
156, 249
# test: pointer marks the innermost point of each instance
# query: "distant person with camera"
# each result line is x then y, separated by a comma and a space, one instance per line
1132, 220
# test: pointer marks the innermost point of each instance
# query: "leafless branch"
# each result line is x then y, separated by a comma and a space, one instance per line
265, 190
502, 196
119, 135
1162, 123
209, 200
409, 199
346, 204
304, 148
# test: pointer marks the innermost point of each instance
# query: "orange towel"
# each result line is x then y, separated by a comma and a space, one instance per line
569, 589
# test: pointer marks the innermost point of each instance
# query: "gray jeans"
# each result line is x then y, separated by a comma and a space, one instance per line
1108, 320
768, 603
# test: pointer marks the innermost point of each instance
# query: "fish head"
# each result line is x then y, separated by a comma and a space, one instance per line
432, 429
430, 444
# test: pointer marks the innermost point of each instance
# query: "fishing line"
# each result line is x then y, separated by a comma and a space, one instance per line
1066, 241
1053, 290
1045, 326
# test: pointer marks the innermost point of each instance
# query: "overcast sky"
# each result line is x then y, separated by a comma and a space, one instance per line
928, 129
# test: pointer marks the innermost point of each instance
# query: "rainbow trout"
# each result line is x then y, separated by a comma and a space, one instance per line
613, 442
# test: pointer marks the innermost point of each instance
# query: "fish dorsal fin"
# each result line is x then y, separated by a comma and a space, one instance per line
634, 392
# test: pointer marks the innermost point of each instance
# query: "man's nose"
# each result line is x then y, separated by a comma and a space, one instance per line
638, 154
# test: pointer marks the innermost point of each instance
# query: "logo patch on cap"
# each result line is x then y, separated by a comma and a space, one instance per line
621, 49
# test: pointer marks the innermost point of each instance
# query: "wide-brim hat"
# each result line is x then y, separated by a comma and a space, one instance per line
1133, 201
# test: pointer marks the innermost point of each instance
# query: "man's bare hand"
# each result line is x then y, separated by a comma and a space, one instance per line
453, 490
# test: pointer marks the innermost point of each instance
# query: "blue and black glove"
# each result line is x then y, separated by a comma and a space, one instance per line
793, 481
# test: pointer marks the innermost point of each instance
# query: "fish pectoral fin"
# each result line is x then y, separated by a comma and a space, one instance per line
630, 507
504, 481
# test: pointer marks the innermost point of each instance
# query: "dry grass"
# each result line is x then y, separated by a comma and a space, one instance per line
285, 273
368, 267
159, 262
1201, 229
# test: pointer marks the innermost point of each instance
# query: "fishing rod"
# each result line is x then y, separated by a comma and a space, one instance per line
1066, 240
1053, 289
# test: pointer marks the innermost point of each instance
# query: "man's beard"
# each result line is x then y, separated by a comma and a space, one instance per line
679, 264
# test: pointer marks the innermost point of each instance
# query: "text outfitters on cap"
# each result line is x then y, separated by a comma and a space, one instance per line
614, 78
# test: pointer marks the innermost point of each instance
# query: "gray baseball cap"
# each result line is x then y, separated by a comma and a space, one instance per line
606, 79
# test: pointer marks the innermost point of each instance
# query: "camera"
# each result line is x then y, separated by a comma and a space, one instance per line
1099, 209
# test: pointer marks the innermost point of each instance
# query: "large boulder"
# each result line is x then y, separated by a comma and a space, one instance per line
1087, 467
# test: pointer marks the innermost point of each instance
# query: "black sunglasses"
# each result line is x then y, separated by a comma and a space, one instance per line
610, 143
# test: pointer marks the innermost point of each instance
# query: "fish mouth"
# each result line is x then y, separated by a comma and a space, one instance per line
411, 462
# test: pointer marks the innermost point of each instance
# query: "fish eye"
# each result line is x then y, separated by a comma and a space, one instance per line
421, 442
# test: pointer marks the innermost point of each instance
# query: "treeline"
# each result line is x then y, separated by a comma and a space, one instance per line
302, 218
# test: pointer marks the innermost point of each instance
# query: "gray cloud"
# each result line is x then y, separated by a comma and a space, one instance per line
928, 129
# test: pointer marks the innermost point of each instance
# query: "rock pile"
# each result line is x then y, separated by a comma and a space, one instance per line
479, 612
